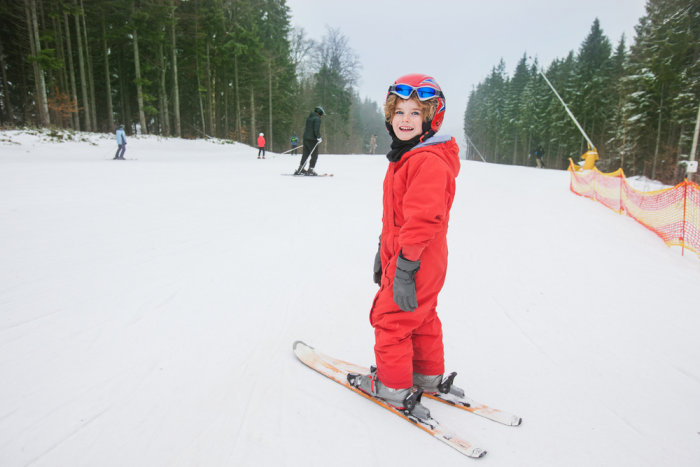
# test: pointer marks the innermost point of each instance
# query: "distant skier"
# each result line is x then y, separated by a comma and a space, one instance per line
411, 264
539, 154
261, 145
295, 141
121, 142
312, 138
372, 144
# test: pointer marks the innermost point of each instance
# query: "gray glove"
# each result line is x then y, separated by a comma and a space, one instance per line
378, 266
405, 284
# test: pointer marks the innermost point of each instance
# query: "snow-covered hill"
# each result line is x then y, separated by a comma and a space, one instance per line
148, 310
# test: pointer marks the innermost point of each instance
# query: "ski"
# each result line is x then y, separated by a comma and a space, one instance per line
310, 176
338, 370
476, 408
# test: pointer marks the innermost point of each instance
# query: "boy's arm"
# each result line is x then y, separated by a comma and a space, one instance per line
424, 205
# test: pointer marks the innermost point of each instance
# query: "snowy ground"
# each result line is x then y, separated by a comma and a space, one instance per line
148, 310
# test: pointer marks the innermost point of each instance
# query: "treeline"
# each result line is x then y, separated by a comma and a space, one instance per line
198, 68
638, 105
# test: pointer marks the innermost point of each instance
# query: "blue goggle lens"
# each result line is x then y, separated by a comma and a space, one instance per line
426, 93
423, 93
403, 90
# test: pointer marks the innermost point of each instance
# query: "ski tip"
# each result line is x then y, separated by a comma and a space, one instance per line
294, 347
478, 452
516, 421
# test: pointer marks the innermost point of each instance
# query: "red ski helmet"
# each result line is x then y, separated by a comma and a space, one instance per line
423, 87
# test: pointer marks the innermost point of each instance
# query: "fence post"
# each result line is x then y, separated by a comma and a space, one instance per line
685, 197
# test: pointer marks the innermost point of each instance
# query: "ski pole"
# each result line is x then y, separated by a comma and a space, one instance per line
285, 152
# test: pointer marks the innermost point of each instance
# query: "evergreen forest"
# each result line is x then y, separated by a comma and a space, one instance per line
637, 103
226, 69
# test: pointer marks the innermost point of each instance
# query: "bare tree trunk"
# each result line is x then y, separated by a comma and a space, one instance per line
83, 81
6, 89
515, 148
74, 93
110, 110
239, 127
176, 92
226, 93
91, 80
658, 135
33, 26
165, 120
269, 68
196, 58
125, 115
139, 87
694, 148
210, 95
253, 135
25, 93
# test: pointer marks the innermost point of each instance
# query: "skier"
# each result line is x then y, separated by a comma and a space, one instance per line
312, 138
121, 142
539, 153
295, 142
419, 188
261, 145
372, 144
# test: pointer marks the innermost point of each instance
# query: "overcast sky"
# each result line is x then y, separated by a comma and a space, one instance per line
459, 41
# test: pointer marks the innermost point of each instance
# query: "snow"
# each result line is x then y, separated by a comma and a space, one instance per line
148, 310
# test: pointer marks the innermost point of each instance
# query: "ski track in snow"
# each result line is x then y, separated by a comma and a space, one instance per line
148, 309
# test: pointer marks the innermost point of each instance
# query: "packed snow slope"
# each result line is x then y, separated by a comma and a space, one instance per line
148, 310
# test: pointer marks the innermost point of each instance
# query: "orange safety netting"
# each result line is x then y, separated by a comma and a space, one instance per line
673, 213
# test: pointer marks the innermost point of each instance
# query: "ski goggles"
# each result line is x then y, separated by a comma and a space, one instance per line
423, 93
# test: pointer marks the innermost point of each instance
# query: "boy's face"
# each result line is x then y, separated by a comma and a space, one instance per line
407, 121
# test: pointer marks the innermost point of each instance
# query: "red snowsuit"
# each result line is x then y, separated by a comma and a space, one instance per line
261, 141
418, 194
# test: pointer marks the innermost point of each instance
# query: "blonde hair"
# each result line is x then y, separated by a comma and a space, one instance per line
427, 108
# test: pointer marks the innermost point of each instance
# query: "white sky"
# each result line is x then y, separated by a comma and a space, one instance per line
459, 41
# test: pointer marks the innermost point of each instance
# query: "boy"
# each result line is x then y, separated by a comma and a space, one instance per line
261, 145
419, 188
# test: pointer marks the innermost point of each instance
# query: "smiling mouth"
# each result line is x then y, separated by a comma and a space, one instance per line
406, 128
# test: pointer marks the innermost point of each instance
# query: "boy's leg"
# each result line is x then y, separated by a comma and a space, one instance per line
119, 148
393, 349
428, 350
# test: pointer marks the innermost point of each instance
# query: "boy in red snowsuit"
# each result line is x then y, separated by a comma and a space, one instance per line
261, 145
411, 264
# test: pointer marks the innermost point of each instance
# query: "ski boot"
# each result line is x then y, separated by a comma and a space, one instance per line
311, 172
404, 400
436, 384
300, 171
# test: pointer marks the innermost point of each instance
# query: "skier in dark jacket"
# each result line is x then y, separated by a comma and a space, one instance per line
539, 154
312, 138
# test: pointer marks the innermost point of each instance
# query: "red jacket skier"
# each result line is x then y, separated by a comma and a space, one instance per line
261, 145
411, 265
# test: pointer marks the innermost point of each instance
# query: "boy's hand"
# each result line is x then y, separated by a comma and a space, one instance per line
378, 266
405, 284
